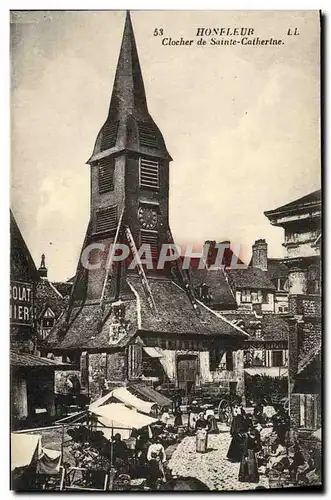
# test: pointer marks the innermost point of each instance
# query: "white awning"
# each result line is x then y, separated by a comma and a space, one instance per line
100, 401
123, 395
152, 352
24, 449
119, 417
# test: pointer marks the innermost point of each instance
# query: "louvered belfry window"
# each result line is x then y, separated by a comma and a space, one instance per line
106, 175
106, 219
150, 238
109, 135
147, 135
149, 173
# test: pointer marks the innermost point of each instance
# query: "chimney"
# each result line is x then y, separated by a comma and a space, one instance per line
42, 268
260, 255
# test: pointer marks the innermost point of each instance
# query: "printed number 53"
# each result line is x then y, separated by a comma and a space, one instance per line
158, 32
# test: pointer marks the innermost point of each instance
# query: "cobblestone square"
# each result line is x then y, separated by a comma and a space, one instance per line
212, 467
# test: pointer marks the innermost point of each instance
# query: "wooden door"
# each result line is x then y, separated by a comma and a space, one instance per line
187, 369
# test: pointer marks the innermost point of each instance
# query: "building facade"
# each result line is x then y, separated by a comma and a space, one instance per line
32, 376
301, 220
255, 298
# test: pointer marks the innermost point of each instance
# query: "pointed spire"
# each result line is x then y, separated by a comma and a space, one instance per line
42, 268
128, 107
129, 91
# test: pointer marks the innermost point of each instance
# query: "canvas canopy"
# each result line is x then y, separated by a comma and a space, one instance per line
25, 448
149, 393
119, 417
124, 396
49, 462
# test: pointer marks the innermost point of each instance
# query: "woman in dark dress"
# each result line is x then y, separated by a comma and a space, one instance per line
237, 431
248, 472
178, 418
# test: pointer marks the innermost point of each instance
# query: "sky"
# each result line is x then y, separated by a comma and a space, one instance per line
241, 123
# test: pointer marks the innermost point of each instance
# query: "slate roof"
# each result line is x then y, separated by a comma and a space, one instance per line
277, 269
30, 360
64, 287
176, 313
251, 278
222, 296
309, 358
22, 266
47, 295
88, 329
306, 201
273, 326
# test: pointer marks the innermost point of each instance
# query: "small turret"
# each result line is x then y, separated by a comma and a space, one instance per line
42, 268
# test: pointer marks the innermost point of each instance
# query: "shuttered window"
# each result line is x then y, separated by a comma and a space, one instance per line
149, 173
150, 238
106, 219
106, 176
147, 135
109, 135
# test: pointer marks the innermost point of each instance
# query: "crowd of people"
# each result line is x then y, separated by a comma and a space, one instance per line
261, 443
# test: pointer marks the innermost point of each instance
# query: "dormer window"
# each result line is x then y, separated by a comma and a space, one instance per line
149, 173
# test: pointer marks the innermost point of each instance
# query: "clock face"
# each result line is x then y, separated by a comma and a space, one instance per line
147, 218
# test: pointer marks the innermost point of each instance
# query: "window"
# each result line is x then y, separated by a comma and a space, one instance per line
48, 322
106, 175
258, 331
147, 135
150, 238
164, 344
245, 296
265, 298
149, 173
106, 219
213, 360
229, 361
281, 284
109, 135
277, 358
172, 345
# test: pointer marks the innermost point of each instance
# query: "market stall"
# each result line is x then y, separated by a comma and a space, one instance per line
118, 416
123, 395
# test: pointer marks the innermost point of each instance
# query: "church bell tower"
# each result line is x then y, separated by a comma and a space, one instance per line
130, 162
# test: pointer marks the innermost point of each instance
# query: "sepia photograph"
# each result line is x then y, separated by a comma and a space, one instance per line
165, 250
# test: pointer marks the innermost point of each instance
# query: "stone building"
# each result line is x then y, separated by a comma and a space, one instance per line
123, 325
301, 220
32, 376
255, 298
